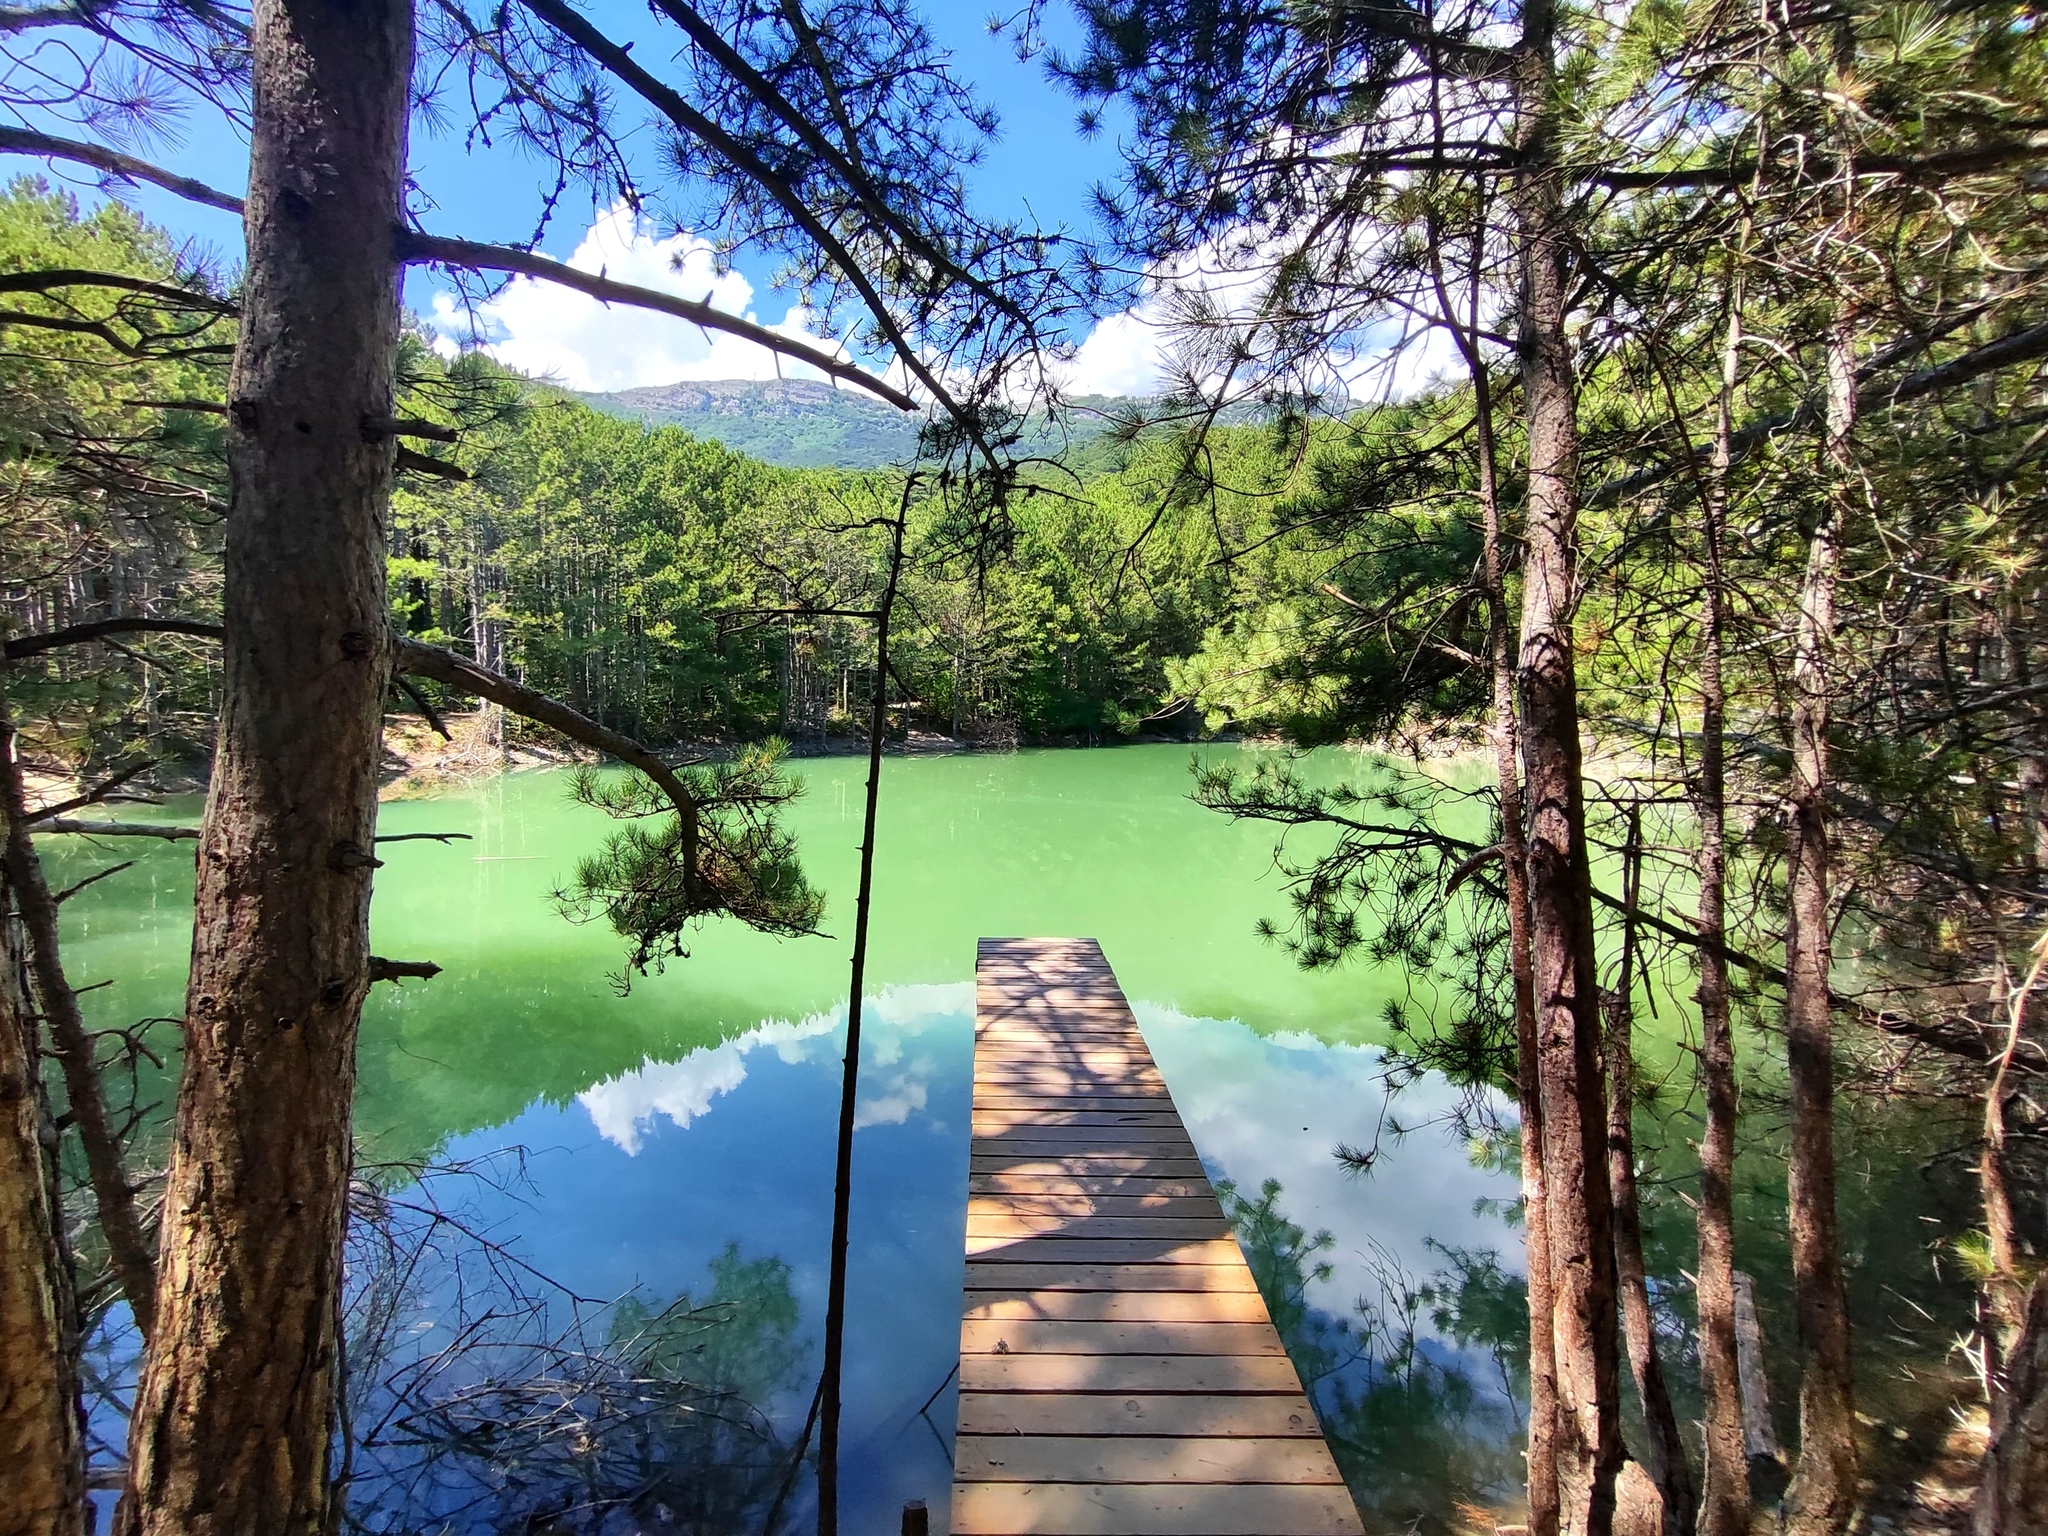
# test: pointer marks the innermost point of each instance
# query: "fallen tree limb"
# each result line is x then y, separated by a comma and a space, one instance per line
22, 646
402, 970
68, 827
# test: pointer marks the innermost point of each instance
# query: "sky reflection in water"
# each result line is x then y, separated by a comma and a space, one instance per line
647, 1176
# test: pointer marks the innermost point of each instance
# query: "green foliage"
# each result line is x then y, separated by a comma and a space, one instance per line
1415, 1435
113, 502
742, 1342
735, 859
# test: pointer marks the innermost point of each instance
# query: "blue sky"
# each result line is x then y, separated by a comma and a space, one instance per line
1040, 166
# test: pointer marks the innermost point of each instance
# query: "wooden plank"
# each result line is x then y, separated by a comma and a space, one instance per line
1101, 1165
1151, 1509
1016, 1075
1120, 1306
1116, 1133
1101, 1250
1090, 1102
1087, 1184
1128, 1373
1022, 1413
998, 1276
1018, 1202
1059, 1336
998, 1121
1142, 1459
1152, 1140
1016, 1224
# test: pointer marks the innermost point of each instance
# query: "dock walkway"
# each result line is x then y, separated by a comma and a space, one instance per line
1119, 1375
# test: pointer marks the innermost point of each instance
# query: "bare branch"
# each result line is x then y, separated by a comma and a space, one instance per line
399, 970
65, 826
414, 248
22, 141
81, 634
411, 657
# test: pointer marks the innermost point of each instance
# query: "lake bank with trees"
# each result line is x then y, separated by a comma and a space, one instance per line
1653, 396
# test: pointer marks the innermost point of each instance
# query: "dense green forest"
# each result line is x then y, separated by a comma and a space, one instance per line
657, 582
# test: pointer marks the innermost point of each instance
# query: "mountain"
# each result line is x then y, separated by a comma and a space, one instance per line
802, 424
797, 423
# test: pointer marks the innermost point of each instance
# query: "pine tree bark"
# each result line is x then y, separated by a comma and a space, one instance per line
1574, 1107
1541, 1453
1725, 1496
41, 1424
2012, 1498
234, 1415
1822, 1497
1666, 1461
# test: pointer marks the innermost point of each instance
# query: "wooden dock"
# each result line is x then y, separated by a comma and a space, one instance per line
1119, 1375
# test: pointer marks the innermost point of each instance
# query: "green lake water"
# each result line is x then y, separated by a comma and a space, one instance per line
676, 1140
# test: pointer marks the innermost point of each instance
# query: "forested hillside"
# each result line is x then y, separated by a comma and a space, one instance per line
657, 580
793, 423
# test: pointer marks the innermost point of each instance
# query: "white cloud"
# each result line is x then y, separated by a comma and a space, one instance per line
624, 1107
1124, 355
1233, 1088
1190, 311
554, 332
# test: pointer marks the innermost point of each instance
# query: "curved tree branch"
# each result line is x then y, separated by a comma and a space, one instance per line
43, 825
23, 141
417, 660
414, 247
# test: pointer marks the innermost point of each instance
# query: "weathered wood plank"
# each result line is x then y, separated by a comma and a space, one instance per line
1058, 1336
1101, 1165
1151, 1509
1103, 1250
1128, 1373
1084, 1184
1072, 1276
1142, 1459
1095, 1100
1023, 1413
1149, 1139
1051, 1224
1017, 1202
1112, 1124
1120, 1306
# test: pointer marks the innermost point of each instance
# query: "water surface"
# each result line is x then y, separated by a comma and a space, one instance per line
671, 1143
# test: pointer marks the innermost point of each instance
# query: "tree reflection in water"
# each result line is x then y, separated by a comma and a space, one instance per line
1427, 1436
483, 1396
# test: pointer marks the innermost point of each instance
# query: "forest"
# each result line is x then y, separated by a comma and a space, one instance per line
1639, 409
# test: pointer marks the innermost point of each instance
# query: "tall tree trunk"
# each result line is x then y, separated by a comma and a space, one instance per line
1589, 1448
1822, 1497
849, 1081
2012, 1495
2012, 1498
41, 1426
234, 1415
1724, 1502
127, 1237
1666, 1461
1542, 1437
